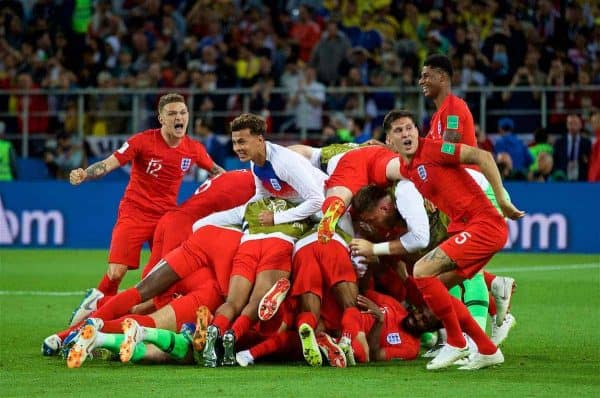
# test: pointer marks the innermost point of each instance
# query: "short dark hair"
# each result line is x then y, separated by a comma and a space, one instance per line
439, 61
367, 198
169, 99
394, 115
254, 123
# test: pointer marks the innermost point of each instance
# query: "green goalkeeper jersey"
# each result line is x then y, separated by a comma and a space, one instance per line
294, 229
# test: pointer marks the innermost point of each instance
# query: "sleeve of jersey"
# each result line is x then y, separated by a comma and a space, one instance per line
301, 176
442, 152
467, 127
409, 203
233, 216
203, 159
129, 149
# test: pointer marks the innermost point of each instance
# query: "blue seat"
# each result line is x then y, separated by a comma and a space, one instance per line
32, 169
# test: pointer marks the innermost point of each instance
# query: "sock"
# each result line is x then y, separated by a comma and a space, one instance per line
351, 322
491, 305
488, 279
308, 318
274, 344
359, 352
115, 326
119, 305
221, 322
476, 299
413, 295
241, 325
439, 301
110, 341
138, 352
103, 301
170, 342
108, 286
484, 344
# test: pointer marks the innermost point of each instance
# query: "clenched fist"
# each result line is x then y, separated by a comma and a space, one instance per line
77, 176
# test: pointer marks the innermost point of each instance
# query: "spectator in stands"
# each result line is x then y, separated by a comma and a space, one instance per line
505, 166
594, 170
64, 154
8, 158
359, 130
572, 151
483, 140
305, 33
544, 171
508, 142
539, 145
213, 144
307, 102
329, 136
32, 110
329, 53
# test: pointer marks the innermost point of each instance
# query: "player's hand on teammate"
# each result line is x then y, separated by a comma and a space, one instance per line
77, 176
361, 247
429, 206
509, 210
369, 307
373, 141
266, 218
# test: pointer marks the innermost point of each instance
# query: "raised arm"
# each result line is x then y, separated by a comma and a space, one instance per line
485, 161
95, 171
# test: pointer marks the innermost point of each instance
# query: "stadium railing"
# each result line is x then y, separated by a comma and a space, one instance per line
99, 112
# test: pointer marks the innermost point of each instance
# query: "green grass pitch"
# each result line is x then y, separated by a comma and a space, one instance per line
553, 351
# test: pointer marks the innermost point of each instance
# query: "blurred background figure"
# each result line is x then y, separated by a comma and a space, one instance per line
572, 151
509, 143
8, 158
63, 155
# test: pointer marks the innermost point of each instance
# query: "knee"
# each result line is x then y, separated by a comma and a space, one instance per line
420, 270
116, 272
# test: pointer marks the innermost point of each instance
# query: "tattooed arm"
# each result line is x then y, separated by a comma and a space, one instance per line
216, 170
452, 136
95, 171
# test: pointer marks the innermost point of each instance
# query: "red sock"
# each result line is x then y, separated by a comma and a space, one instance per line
330, 200
472, 328
241, 325
351, 321
439, 301
492, 306
115, 326
488, 279
221, 322
118, 305
280, 342
108, 286
308, 318
359, 352
413, 295
103, 301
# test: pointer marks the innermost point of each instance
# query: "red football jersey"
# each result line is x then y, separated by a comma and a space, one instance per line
157, 170
437, 174
454, 114
397, 343
223, 192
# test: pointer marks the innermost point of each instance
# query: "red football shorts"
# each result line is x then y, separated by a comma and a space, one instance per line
185, 286
360, 167
473, 248
257, 255
208, 294
129, 234
318, 267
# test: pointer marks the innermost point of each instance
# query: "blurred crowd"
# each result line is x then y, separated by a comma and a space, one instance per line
288, 53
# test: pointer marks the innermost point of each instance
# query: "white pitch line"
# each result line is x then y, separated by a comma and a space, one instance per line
538, 268
544, 268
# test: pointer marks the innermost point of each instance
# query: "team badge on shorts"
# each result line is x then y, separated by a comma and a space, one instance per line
393, 338
422, 172
185, 164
